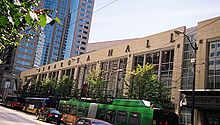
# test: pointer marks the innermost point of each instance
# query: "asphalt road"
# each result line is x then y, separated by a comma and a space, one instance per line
13, 117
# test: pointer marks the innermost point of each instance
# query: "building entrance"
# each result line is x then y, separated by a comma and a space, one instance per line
212, 117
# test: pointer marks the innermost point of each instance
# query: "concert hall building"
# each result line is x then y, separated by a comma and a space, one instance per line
172, 56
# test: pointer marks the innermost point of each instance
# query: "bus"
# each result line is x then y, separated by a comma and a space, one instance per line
35, 105
119, 112
14, 102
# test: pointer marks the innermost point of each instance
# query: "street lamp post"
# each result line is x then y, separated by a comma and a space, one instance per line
193, 61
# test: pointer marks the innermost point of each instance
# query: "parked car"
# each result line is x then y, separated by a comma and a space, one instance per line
90, 121
49, 115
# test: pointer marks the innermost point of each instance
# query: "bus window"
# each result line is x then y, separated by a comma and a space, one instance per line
101, 114
110, 116
134, 118
121, 117
63, 108
68, 109
82, 111
73, 110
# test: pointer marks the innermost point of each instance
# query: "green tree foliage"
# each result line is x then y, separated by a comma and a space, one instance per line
17, 17
144, 85
31, 88
97, 85
48, 87
65, 86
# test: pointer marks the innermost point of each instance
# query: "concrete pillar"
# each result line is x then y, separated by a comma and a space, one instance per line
129, 69
200, 117
38, 78
76, 76
59, 74
47, 76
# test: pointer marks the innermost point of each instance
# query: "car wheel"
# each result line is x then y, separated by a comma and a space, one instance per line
38, 116
45, 119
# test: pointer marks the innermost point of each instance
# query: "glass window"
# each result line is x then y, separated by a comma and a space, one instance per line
121, 117
185, 116
23, 63
110, 116
138, 60
101, 114
187, 65
134, 119
214, 65
20, 68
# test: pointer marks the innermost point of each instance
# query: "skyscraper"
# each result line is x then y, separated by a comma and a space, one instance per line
56, 42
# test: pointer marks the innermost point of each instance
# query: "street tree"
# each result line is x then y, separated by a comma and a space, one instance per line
97, 85
143, 84
18, 17
31, 88
48, 87
65, 87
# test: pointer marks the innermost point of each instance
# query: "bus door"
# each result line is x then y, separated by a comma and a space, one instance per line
92, 110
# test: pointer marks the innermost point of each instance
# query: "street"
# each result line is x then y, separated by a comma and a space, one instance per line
13, 117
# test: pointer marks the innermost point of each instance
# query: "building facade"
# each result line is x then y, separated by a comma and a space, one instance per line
171, 55
58, 41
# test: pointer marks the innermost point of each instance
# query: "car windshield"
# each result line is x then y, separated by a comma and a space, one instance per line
54, 111
99, 123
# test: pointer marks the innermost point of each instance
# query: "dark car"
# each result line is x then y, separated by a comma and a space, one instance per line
90, 121
49, 115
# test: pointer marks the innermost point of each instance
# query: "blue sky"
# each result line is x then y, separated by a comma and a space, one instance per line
126, 19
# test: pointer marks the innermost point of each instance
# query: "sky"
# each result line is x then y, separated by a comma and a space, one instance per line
126, 19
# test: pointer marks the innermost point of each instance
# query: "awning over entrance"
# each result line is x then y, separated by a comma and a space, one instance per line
204, 99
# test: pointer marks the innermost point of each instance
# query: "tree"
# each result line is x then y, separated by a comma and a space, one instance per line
31, 88
65, 87
97, 85
18, 17
144, 85
48, 87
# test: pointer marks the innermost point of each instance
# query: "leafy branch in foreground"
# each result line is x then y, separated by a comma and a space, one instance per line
17, 18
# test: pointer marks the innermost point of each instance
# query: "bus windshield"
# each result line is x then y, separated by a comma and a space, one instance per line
162, 117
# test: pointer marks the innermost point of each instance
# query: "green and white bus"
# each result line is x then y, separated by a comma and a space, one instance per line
119, 112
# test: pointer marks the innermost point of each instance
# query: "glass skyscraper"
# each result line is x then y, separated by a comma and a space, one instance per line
59, 41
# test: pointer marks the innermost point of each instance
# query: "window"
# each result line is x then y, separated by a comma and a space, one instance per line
82, 112
185, 116
80, 122
214, 65
20, 68
25, 50
23, 56
84, 37
110, 116
101, 114
134, 119
138, 60
61, 64
83, 9
88, 6
84, 43
82, 48
121, 117
85, 32
23, 63
187, 71
83, 4
86, 27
